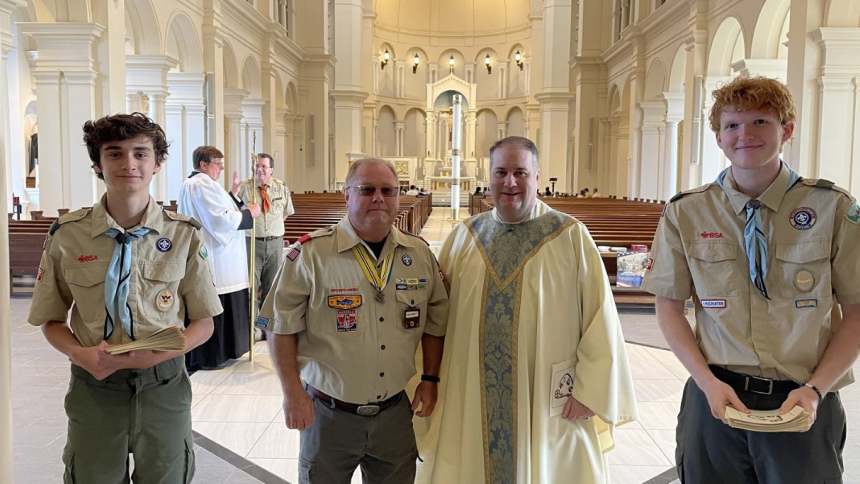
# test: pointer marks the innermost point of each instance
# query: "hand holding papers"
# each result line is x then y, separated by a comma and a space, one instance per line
166, 339
796, 420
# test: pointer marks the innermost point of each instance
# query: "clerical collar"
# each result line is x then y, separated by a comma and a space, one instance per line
376, 247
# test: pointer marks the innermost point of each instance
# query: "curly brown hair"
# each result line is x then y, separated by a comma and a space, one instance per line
755, 93
120, 127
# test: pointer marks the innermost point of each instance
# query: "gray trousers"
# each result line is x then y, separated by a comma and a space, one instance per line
143, 412
268, 259
711, 452
338, 442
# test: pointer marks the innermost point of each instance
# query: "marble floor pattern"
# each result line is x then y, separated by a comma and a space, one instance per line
237, 410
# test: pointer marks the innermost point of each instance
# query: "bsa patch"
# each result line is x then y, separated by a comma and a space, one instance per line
164, 244
344, 302
853, 214
802, 218
805, 303
164, 300
39, 274
204, 254
293, 254
407, 261
713, 303
261, 322
346, 321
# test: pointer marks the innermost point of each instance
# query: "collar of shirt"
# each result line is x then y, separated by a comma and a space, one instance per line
347, 238
152, 219
771, 198
536, 211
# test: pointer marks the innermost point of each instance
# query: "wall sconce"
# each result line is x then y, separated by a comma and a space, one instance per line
385, 58
415, 62
518, 59
451, 64
487, 63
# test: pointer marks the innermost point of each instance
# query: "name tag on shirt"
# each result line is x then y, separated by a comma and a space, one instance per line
411, 318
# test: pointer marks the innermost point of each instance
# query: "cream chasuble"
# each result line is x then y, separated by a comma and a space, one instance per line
530, 304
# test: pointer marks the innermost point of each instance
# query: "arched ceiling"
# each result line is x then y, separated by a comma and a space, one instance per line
452, 17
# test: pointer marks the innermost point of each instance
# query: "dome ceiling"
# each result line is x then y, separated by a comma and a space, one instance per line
452, 17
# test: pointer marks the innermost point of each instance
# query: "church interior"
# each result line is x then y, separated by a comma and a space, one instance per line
615, 94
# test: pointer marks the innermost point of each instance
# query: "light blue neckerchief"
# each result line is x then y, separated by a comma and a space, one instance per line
754, 238
116, 283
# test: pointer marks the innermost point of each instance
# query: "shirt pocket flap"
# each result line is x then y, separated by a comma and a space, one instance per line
713, 252
87, 276
164, 271
413, 298
803, 252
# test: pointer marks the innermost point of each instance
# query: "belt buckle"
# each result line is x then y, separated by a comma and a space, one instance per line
367, 410
769, 389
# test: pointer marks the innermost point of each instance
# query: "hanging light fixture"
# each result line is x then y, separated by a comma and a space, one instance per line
518, 59
415, 62
487, 63
385, 58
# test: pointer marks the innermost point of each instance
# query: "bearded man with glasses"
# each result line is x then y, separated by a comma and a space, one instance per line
346, 314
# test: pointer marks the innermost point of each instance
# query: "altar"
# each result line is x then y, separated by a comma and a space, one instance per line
444, 183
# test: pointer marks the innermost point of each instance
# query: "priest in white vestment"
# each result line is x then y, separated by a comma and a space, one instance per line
535, 374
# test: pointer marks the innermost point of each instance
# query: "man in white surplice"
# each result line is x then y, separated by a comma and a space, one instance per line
531, 308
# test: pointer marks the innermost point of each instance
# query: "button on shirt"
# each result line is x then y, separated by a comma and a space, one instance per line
812, 253
351, 346
269, 223
169, 275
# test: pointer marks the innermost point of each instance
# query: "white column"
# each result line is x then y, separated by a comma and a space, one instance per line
430, 134
348, 106
233, 99
456, 146
837, 103
650, 156
713, 158
173, 170
110, 48
252, 122
501, 129
503, 79
669, 181
279, 147
399, 77
398, 137
158, 113
6, 454
691, 164
469, 139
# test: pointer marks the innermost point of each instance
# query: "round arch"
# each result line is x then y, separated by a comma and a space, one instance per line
183, 43
143, 27
251, 81
231, 67
63, 10
842, 13
655, 80
727, 47
678, 73
768, 34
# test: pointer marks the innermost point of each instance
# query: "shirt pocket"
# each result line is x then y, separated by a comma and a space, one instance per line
413, 299
87, 284
714, 269
796, 263
159, 288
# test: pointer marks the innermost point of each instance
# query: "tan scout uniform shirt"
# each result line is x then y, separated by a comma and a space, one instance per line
163, 283
270, 223
349, 345
813, 252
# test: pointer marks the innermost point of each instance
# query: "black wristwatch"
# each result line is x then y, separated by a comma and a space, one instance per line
430, 378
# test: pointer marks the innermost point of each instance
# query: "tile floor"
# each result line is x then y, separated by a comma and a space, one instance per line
239, 408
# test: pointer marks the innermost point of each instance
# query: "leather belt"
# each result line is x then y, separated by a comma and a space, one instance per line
367, 410
271, 237
753, 384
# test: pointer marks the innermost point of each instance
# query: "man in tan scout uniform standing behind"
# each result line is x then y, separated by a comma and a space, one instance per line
273, 197
762, 252
126, 268
348, 311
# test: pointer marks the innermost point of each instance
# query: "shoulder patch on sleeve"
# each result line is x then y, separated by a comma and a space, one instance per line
182, 218
295, 248
69, 217
822, 183
687, 192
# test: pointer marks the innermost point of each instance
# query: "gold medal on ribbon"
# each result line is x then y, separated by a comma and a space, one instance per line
376, 279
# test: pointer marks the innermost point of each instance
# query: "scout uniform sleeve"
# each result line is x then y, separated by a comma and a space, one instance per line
288, 210
667, 273
846, 256
437, 305
285, 309
197, 288
52, 297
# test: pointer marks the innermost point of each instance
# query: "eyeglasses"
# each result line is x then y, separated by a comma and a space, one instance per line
219, 163
369, 191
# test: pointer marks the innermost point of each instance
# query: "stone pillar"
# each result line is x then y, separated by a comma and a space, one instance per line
713, 158
399, 128
173, 169
804, 61
501, 129
279, 147
65, 50
399, 78
232, 148
553, 146
838, 106
213, 65
471, 118
430, 134
6, 454
252, 122
187, 100
348, 105
691, 164
650, 156
669, 185
111, 55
